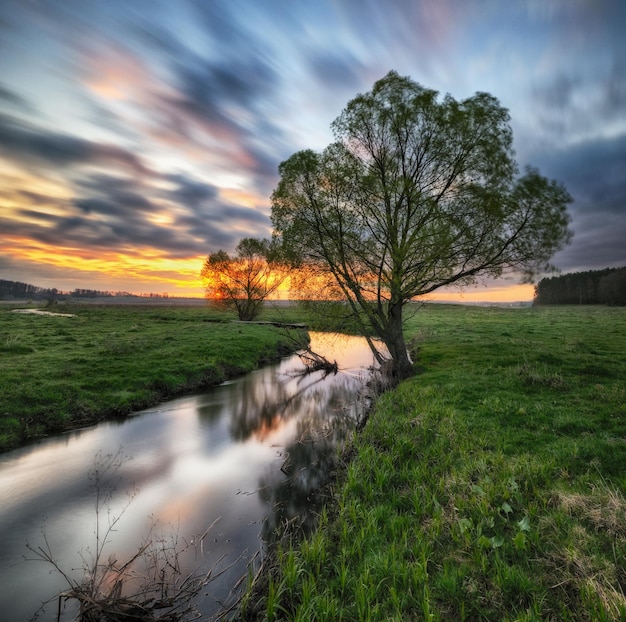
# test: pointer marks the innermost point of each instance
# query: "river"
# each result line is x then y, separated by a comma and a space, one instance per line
238, 460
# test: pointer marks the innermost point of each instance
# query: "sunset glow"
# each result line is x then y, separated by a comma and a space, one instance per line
511, 293
134, 144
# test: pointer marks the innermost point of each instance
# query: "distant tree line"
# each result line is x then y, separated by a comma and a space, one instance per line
593, 287
89, 293
14, 290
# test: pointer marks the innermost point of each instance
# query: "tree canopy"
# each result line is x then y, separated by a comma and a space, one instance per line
416, 193
243, 281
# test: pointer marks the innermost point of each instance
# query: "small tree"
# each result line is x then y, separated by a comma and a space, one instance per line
243, 281
414, 195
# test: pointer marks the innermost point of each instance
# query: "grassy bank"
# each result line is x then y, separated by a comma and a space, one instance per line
491, 486
58, 373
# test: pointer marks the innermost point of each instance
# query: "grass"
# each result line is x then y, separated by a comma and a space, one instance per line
490, 486
58, 373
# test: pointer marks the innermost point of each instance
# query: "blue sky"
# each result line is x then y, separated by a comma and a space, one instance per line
137, 136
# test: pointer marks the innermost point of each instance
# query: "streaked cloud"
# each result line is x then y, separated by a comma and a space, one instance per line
136, 137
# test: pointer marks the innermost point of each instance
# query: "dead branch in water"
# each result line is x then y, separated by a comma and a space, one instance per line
150, 585
316, 362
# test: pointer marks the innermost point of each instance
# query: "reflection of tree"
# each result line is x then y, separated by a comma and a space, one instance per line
326, 407
264, 404
296, 500
311, 459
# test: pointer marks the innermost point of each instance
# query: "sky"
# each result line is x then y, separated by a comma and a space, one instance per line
138, 136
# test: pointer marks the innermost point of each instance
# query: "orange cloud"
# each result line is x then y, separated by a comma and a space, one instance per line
140, 271
242, 197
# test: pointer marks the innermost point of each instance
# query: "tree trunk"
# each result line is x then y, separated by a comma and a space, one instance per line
248, 309
401, 366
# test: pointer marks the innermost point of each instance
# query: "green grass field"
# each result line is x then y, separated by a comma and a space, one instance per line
58, 373
490, 486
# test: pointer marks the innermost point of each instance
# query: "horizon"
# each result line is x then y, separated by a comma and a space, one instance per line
499, 296
136, 142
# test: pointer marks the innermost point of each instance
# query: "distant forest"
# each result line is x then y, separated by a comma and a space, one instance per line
10, 290
14, 290
593, 287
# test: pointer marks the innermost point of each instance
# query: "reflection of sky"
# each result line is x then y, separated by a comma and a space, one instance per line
193, 460
139, 136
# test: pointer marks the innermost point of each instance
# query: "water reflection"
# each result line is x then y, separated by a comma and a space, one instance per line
247, 454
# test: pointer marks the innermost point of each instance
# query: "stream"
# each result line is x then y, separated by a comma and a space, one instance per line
214, 474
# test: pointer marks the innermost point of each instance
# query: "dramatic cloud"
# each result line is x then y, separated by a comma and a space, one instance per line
191, 192
10, 97
33, 146
135, 138
593, 172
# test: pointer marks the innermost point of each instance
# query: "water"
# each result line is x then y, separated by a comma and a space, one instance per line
246, 456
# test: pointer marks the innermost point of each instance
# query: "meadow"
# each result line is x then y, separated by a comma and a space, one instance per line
490, 486
59, 373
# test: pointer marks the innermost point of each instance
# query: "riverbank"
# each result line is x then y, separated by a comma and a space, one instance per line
76, 364
491, 486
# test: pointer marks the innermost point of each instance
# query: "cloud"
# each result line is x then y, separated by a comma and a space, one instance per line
577, 83
121, 205
127, 215
34, 146
558, 93
223, 94
31, 197
220, 225
592, 171
191, 192
157, 128
112, 71
224, 107
615, 88
572, 106
11, 97
598, 243
106, 182
336, 69
50, 274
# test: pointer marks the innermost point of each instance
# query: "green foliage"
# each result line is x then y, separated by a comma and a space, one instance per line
476, 494
415, 194
58, 373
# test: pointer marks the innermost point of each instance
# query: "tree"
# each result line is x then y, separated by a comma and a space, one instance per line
245, 280
593, 287
413, 195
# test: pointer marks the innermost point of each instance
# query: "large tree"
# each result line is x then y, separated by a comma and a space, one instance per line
416, 193
244, 280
